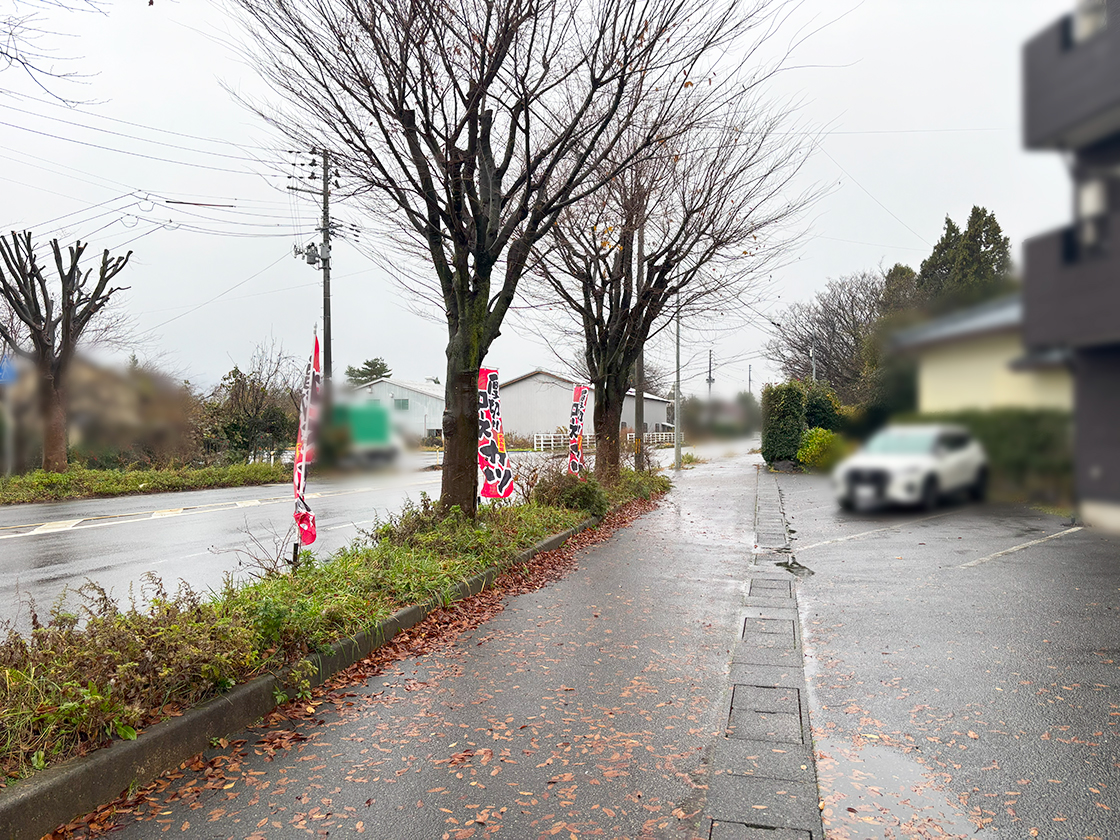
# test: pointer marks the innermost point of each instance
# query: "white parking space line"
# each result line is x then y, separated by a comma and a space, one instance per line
797, 550
1015, 548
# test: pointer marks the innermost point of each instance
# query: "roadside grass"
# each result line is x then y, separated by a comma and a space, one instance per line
691, 459
79, 482
94, 671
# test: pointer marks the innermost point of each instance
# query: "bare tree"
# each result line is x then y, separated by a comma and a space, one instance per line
25, 31
469, 126
838, 329
54, 322
257, 409
692, 229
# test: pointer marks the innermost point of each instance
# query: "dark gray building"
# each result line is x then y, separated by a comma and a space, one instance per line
1071, 287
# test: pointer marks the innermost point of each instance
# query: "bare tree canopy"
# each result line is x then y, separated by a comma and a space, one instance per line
25, 33
469, 126
691, 228
838, 328
53, 321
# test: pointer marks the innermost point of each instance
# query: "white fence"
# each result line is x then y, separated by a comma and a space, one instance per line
654, 437
549, 443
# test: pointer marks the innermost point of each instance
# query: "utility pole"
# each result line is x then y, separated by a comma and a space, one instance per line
640, 364
813, 358
710, 380
321, 258
325, 256
677, 395
749, 390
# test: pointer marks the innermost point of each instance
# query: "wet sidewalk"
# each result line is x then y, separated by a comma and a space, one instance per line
658, 691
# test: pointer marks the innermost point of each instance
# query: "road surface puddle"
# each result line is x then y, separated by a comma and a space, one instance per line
870, 791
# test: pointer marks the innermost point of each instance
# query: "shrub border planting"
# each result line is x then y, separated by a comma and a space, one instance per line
52, 797
82, 483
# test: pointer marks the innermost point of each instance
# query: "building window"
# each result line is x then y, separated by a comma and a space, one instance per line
1090, 18
400, 405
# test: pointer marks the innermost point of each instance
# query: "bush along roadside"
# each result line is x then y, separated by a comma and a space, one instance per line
821, 449
80, 483
89, 674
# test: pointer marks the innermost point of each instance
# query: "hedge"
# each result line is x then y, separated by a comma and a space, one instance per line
783, 420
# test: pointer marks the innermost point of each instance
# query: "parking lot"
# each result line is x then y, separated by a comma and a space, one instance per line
962, 667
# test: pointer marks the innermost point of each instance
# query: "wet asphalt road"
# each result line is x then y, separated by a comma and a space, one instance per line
595, 707
953, 689
193, 535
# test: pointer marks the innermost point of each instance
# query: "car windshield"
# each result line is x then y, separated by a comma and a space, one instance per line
897, 442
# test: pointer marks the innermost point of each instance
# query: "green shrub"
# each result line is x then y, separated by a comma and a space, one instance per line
783, 419
79, 482
562, 489
821, 449
822, 406
638, 485
1030, 451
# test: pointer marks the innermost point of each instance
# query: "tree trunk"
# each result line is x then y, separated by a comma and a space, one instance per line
53, 412
460, 438
608, 423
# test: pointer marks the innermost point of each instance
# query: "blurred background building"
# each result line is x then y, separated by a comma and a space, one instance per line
1072, 276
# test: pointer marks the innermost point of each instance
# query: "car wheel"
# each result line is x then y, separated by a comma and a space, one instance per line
978, 491
931, 494
846, 503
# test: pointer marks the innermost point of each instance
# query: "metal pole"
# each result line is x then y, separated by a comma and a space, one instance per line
640, 365
710, 380
677, 396
9, 432
325, 256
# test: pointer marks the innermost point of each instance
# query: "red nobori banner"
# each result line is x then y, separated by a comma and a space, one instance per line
305, 445
575, 430
497, 477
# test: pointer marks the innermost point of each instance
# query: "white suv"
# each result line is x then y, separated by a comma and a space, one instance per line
912, 465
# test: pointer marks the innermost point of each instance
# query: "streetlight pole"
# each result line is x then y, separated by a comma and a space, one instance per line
677, 395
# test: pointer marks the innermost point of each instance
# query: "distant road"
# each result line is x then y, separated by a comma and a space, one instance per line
45, 548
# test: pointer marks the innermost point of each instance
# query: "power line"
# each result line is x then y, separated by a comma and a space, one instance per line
131, 154
128, 136
222, 294
38, 101
873, 198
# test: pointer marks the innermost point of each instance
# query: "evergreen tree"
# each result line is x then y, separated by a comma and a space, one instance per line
966, 266
369, 370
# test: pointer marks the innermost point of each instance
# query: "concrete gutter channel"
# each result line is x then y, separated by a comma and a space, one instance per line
767, 789
53, 797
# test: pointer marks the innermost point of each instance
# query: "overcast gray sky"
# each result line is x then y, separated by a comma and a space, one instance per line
921, 99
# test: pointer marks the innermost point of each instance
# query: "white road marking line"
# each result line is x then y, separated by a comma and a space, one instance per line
350, 525
797, 550
1015, 548
149, 515
51, 527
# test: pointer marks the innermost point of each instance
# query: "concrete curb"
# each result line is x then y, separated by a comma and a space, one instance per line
38, 805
